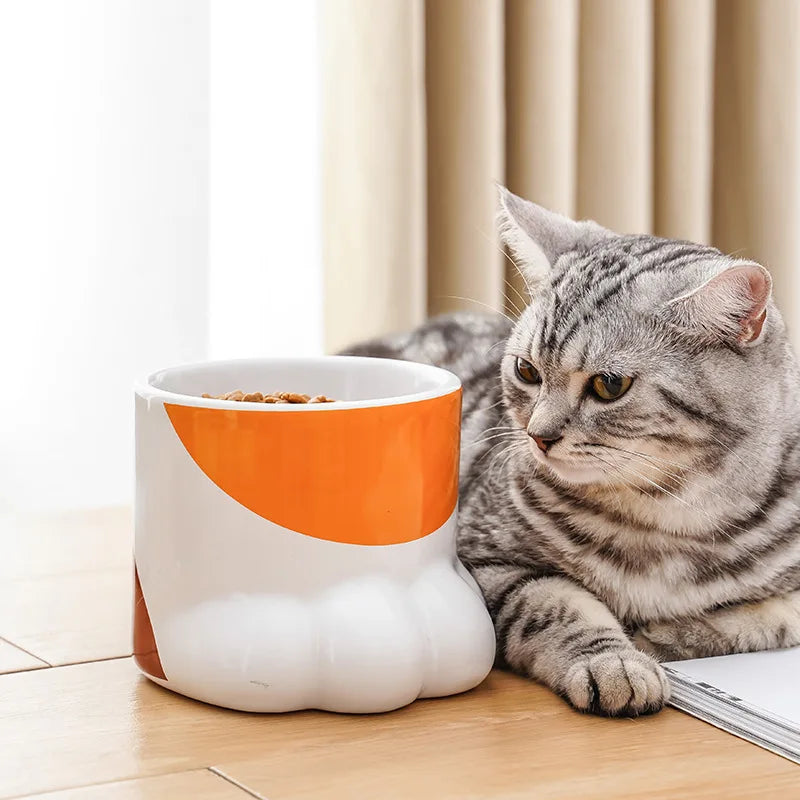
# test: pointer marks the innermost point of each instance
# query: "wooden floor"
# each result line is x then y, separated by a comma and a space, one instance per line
78, 721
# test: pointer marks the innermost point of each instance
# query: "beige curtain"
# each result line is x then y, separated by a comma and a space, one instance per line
678, 117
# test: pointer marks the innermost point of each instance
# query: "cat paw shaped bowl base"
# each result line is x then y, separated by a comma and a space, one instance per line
292, 557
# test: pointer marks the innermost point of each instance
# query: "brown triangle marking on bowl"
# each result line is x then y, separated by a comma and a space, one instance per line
145, 651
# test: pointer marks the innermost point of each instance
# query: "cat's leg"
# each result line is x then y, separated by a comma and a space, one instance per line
744, 628
553, 630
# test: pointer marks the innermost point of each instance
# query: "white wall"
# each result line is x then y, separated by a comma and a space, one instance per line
265, 279
159, 203
103, 250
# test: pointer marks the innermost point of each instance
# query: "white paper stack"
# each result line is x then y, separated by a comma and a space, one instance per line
752, 695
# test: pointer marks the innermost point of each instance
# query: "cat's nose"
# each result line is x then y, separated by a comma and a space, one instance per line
545, 443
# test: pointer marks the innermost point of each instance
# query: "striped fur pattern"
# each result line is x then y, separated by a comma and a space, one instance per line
662, 525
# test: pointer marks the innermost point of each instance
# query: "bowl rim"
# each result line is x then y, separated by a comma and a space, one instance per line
448, 383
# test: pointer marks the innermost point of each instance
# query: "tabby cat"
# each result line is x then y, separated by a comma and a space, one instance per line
630, 471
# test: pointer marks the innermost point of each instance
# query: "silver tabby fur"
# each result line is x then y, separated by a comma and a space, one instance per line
663, 525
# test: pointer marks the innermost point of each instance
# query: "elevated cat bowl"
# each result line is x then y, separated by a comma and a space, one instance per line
303, 556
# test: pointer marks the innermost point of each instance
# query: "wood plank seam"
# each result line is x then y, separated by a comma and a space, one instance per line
49, 666
218, 772
27, 652
89, 661
119, 781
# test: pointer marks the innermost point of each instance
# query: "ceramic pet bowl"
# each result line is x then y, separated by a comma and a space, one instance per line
303, 556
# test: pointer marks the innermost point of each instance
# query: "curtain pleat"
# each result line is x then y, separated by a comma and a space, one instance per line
683, 122
373, 159
757, 141
615, 119
680, 117
464, 79
541, 108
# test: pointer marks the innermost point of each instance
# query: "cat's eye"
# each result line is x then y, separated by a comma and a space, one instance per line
525, 371
610, 387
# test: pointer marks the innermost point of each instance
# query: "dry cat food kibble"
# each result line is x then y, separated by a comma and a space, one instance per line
272, 397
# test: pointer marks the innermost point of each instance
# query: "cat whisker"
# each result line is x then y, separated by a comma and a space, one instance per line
609, 484
647, 455
502, 250
513, 448
503, 445
747, 468
477, 302
488, 408
495, 452
483, 440
706, 490
516, 291
503, 449
510, 450
496, 344
715, 526
500, 428
511, 261
510, 302
616, 474
680, 477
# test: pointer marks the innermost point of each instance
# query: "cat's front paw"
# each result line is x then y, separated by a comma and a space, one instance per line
624, 683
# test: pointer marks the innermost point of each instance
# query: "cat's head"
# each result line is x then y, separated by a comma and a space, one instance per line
638, 358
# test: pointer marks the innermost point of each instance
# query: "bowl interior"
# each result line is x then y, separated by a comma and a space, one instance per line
342, 378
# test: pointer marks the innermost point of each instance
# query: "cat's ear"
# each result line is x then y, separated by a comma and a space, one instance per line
537, 237
731, 306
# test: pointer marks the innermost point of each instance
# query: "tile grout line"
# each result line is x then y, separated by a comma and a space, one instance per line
220, 774
27, 652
